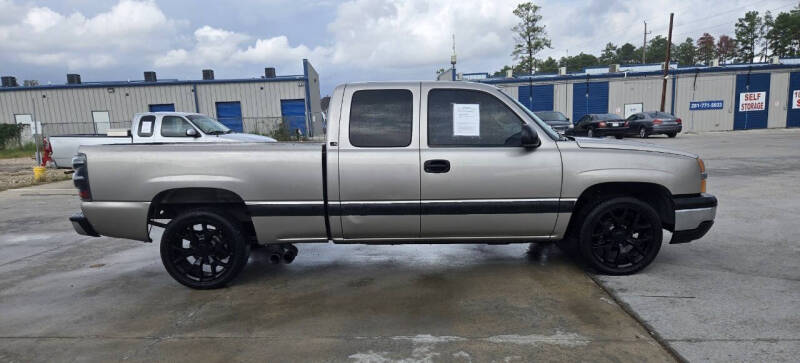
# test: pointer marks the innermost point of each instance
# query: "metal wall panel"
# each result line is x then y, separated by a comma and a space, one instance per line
258, 99
562, 98
646, 91
705, 87
778, 86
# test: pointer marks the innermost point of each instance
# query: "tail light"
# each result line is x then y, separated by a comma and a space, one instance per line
657, 122
81, 177
703, 175
679, 121
602, 124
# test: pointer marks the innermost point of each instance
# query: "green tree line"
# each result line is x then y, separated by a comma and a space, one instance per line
757, 38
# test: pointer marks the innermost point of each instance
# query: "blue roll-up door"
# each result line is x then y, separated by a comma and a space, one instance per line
792, 113
163, 107
591, 97
752, 84
294, 113
537, 98
230, 115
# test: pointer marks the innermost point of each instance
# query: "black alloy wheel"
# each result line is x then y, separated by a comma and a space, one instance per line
643, 132
590, 132
204, 249
620, 236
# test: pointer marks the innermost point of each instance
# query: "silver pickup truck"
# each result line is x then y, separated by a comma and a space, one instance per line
410, 162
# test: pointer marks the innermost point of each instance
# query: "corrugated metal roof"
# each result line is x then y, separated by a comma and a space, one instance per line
165, 82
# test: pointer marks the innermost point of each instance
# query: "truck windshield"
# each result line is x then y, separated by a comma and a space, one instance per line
549, 130
209, 125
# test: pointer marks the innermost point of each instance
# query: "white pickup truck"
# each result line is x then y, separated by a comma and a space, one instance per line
151, 127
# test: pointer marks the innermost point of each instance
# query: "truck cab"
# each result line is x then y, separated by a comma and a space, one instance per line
171, 127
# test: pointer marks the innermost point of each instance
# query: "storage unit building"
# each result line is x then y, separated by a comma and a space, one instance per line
249, 105
707, 98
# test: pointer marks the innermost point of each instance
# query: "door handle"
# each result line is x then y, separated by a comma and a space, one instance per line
437, 166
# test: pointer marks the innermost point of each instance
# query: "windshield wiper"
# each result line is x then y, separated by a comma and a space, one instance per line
216, 132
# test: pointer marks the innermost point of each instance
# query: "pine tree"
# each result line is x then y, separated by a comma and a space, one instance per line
530, 36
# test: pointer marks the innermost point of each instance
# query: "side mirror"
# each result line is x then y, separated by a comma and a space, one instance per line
529, 138
192, 133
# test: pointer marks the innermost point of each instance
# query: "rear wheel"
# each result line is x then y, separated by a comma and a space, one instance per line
643, 132
590, 132
204, 249
672, 134
620, 236
619, 137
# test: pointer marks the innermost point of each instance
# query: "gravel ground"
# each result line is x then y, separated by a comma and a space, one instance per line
18, 172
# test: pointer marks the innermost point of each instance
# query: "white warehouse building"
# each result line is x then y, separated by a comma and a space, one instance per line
256, 105
707, 98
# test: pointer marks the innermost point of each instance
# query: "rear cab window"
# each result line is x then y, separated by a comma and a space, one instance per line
381, 118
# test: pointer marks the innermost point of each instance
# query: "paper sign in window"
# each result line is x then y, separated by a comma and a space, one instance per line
147, 127
466, 119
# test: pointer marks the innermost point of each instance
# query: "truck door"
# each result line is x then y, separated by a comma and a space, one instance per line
477, 182
379, 162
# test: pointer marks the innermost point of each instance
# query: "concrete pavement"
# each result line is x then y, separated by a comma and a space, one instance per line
735, 294
65, 297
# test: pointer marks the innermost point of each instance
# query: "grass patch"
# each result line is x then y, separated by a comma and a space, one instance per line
27, 150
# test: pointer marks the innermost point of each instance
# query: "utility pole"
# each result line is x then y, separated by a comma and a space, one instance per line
453, 58
666, 64
644, 44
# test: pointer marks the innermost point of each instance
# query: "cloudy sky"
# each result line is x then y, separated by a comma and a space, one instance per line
354, 40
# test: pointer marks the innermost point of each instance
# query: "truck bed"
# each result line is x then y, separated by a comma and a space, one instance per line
261, 174
66, 146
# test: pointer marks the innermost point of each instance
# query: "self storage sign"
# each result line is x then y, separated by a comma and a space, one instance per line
752, 101
795, 99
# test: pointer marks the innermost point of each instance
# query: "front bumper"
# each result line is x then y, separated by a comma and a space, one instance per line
694, 216
82, 225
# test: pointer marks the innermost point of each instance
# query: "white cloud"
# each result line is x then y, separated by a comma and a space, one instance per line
47, 38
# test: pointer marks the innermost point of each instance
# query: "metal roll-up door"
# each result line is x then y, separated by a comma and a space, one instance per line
230, 115
537, 98
589, 97
752, 101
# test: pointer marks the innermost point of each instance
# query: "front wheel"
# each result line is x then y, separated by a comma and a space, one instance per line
643, 132
619, 137
672, 134
204, 249
620, 236
590, 132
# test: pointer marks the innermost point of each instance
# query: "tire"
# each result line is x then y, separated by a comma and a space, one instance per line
590, 132
643, 132
207, 236
620, 236
672, 134
618, 137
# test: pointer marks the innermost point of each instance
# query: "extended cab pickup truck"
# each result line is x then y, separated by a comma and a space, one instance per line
411, 162
151, 127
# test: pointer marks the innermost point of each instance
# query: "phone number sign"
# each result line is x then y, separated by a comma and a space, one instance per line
705, 105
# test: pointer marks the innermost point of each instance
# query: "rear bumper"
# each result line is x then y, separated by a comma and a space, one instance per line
661, 129
82, 225
611, 131
694, 216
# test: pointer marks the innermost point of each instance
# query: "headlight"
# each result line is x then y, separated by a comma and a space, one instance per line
703, 175
571, 125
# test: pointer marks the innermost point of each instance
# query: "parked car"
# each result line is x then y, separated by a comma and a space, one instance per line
601, 124
403, 162
649, 123
555, 119
151, 127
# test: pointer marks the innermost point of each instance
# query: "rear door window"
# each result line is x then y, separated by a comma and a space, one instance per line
381, 118
146, 126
